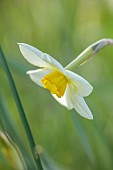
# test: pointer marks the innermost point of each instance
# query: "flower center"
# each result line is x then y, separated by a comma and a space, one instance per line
55, 82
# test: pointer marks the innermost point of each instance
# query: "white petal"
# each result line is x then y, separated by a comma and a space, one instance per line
38, 58
37, 75
83, 86
72, 100
65, 100
81, 107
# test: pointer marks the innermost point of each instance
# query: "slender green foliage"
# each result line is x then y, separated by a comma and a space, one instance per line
21, 111
8, 125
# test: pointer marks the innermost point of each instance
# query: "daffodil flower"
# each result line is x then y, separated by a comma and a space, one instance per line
67, 87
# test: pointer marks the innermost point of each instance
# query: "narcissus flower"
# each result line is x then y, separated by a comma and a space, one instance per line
67, 87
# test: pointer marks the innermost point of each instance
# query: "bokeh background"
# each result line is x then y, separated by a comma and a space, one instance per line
63, 29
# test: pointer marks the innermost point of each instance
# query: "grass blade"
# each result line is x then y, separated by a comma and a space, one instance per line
21, 111
83, 138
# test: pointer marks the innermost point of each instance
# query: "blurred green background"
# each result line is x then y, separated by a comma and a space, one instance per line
63, 29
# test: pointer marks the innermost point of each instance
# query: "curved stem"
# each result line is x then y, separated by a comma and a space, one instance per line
89, 52
21, 111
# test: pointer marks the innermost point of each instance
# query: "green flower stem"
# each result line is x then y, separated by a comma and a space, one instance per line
21, 112
89, 52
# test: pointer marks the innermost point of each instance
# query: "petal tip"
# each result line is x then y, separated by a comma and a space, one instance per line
19, 43
90, 117
29, 72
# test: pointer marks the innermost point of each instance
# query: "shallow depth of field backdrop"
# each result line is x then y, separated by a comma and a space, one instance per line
63, 29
